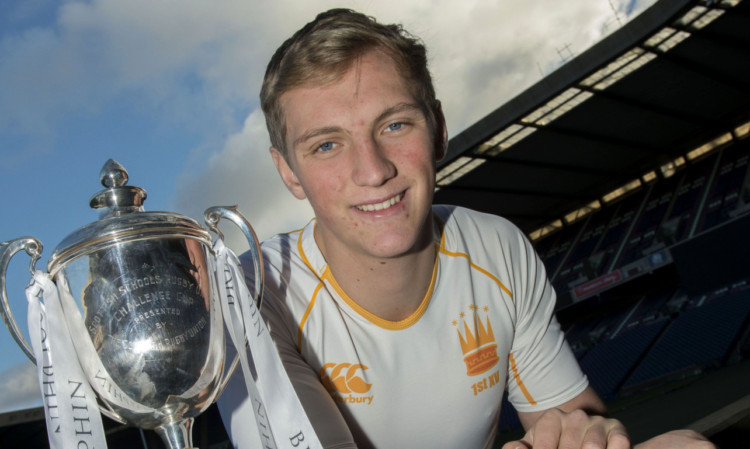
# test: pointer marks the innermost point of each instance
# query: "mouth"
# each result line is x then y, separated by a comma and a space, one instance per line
382, 205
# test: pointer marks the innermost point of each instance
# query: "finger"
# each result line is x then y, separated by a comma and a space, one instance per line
595, 438
618, 438
547, 431
516, 445
605, 433
689, 434
583, 431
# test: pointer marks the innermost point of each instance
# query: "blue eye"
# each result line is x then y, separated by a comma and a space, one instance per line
395, 126
327, 146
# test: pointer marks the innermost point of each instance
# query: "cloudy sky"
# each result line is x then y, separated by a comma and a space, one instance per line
169, 89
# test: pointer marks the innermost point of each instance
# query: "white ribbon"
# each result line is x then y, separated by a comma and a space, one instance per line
265, 377
70, 408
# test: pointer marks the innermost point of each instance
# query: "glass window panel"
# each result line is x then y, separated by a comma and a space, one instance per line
617, 193
613, 67
709, 146
551, 105
461, 171
706, 18
663, 34
545, 230
625, 71
691, 15
673, 41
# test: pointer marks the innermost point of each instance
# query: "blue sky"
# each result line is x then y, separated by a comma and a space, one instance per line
169, 89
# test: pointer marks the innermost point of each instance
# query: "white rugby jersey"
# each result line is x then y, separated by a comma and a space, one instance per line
436, 378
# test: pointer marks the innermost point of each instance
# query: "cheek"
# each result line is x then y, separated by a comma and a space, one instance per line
337, 182
419, 156
323, 187
331, 183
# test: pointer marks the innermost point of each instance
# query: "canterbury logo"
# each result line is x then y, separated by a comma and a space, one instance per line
343, 378
477, 342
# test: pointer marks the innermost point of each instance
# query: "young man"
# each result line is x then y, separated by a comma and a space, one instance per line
401, 324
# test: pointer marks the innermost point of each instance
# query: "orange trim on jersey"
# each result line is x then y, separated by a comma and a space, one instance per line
306, 314
302, 253
519, 381
476, 267
386, 324
445, 251
376, 320
306, 261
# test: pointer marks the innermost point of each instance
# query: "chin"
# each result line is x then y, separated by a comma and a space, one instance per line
395, 249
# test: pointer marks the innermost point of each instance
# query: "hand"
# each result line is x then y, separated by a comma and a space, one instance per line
683, 439
575, 430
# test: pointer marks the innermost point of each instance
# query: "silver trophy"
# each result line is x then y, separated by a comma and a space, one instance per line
142, 307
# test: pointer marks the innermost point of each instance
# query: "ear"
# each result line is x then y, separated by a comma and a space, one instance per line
441, 132
287, 174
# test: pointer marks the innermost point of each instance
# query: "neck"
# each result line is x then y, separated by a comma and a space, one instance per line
391, 288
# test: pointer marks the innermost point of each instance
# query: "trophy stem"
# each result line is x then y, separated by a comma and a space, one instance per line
177, 434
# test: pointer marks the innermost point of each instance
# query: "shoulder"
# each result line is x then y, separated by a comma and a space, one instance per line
462, 226
274, 251
278, 254
280, 249
281, 245
487, 241
292, 267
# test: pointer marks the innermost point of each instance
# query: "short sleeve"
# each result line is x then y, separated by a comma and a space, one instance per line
542, 370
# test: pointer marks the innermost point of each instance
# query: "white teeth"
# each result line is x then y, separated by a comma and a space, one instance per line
380, 206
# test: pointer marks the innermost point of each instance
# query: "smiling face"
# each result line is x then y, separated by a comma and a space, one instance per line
362, 152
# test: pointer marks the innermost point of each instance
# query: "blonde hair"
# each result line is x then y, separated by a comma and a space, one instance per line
323, 50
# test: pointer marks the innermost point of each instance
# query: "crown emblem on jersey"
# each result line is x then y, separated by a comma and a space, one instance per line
478, 346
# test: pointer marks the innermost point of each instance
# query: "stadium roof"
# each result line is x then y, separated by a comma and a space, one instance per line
665, 88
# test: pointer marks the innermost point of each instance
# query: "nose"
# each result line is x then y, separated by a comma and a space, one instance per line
372, 166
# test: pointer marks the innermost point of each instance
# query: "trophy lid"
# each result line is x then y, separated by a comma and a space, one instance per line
123, 219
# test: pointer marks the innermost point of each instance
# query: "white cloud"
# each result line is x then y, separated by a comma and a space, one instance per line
205, 59
201, 63
19, 387
243, 174
192, 65
486, 53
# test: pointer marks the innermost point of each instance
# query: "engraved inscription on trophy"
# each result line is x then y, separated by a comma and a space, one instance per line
149, 320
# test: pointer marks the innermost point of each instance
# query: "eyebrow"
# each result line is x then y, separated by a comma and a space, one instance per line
401, 107
315, 133
310, 134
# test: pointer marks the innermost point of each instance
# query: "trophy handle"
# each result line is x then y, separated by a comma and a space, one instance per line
33, 248
212, 216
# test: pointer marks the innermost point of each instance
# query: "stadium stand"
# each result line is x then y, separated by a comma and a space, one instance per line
609, 363
653, 332
729, 189
653, 281
697, 338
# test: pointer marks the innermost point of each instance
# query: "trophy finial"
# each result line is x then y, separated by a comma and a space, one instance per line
113, 174
118, 197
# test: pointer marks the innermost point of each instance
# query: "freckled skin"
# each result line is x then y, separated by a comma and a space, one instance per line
366, 165
358, 142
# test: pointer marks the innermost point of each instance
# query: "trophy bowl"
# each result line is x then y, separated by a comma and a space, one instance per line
139, 294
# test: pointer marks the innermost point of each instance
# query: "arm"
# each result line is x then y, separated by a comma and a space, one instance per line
577, 424
587, 401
